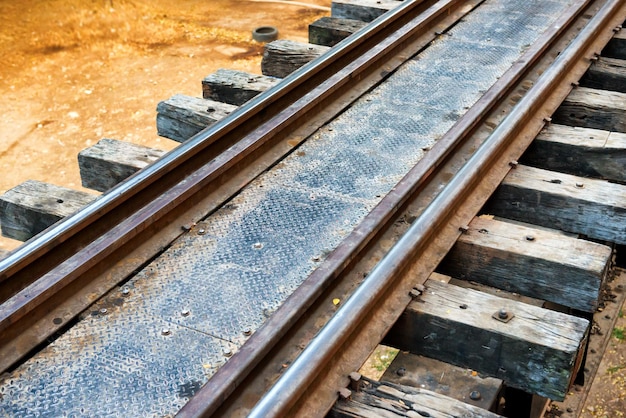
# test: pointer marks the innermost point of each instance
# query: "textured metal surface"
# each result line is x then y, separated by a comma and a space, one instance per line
230, 272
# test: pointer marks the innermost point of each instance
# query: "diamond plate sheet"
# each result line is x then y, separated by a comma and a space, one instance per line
219, 282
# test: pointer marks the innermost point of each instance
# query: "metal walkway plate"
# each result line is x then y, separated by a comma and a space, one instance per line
145, 351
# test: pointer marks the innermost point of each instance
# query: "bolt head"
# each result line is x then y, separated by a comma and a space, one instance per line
530, 238
503, 314
104, 311
185, 312
165, 331
475, 395
125, 291
201, 231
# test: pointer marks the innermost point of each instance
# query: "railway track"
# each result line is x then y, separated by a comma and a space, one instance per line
327, 247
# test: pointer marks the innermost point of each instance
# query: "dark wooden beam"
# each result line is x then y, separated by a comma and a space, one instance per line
591, 108
30, 207
384, 399
282, 57
616, 48
363, 10
110, 161
538, 263
581, 152
329, 31
534, 349
235, 87
606, 74
446, 379
181, 117
591, 207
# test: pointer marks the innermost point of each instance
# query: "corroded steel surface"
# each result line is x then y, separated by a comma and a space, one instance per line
234, 269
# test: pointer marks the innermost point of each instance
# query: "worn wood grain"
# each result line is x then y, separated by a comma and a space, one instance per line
537, 350
110, 161
389, 400
282, 57
606, 74
180, 117
616, 48
591, 207
591, 108
3, 254
579, 151
33, 206
534, 262
363, 10
330, 31
235, 87
446, 379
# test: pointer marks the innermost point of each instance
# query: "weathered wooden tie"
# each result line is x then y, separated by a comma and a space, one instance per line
30, 207
110, 161
538, 263
582, 152
591, 108
616, 48
3, 253
329, 31
530, 348
458, 383
282, 57
235, 87
180, 117
363, 10
591, 207
383, 399
606, 74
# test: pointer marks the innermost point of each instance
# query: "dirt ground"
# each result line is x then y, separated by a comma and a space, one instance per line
76, 71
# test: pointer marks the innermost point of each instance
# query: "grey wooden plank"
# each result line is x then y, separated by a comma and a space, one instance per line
537, 350
282, 57
235, 87
110, 161
31, 207
385, 399
616, 48
363, 10
606, 74
591, 108
180, 117
578, 151
329, 31
591, 207
446, 379
537, 263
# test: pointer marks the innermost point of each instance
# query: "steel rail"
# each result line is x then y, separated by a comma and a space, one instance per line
79, 248
294, 381
232, 374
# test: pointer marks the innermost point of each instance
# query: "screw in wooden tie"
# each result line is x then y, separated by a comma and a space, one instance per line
513, 164
165, 332
185, 312
530, 238
104, 311
547, 120
201, 231
401, 371
464, 229
575, 84
125, 291
247, 332
475, 395
227, 352
617, 28
579, 185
